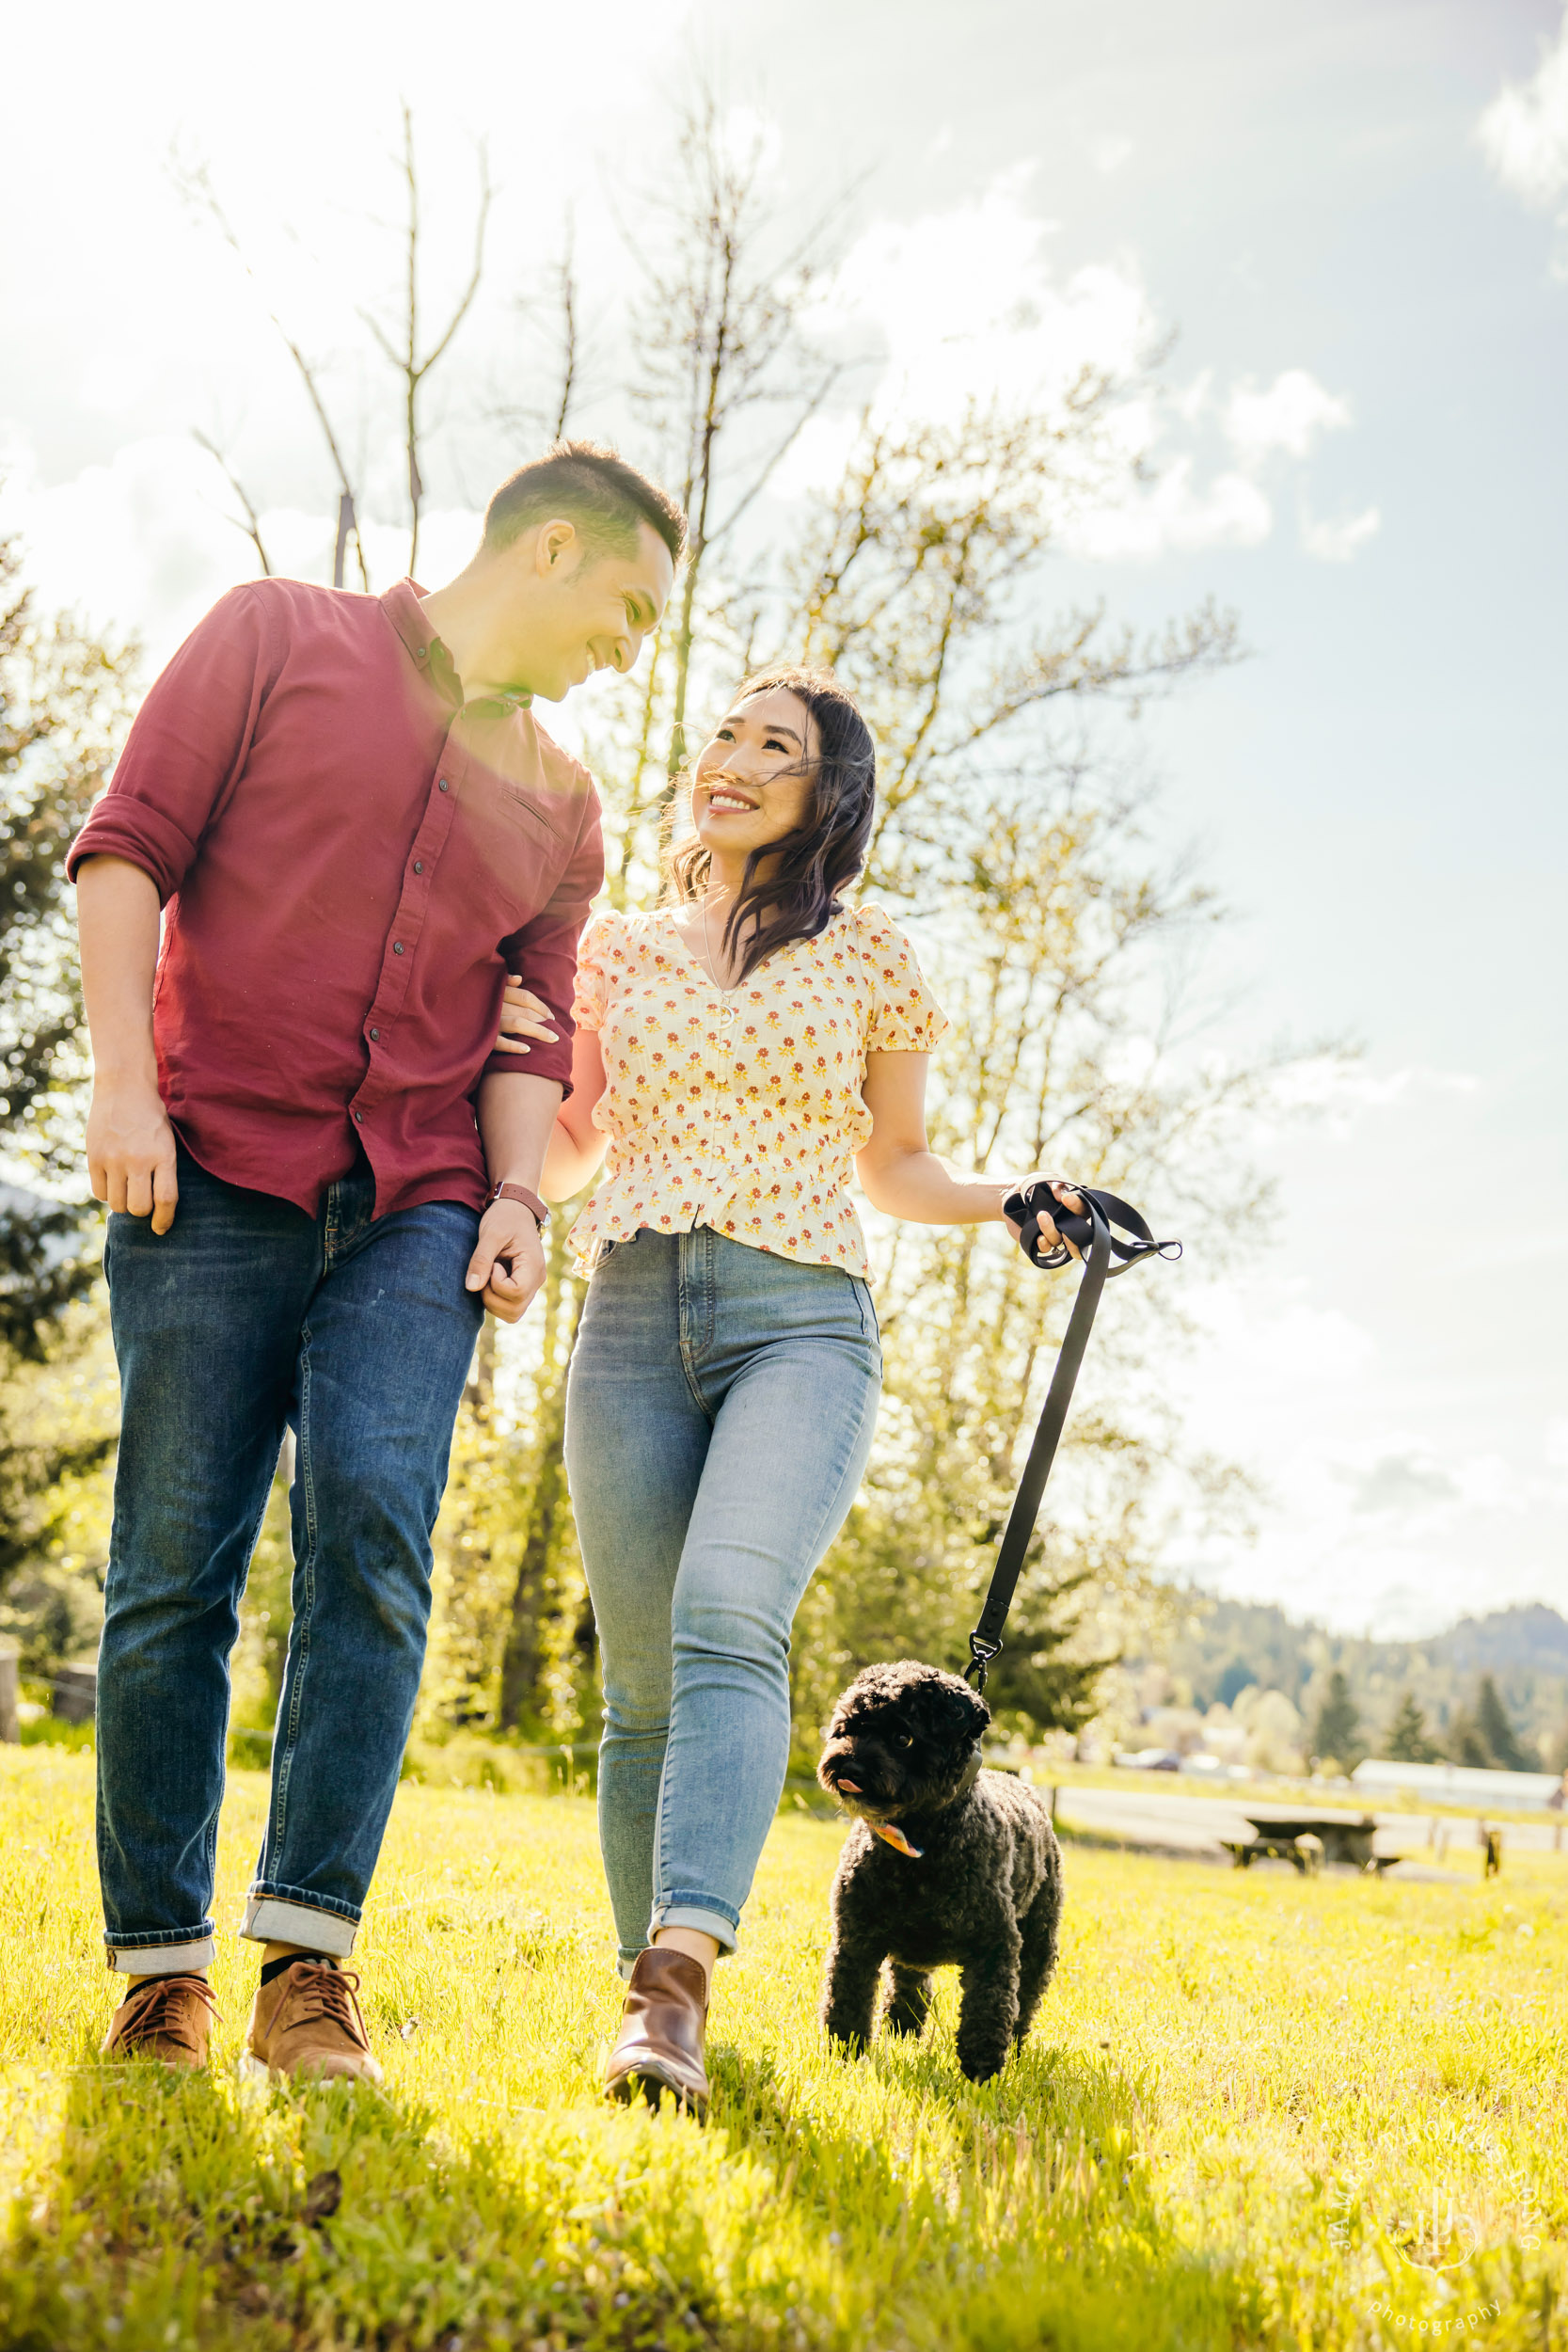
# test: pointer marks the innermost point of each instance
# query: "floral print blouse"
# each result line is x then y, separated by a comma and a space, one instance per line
740, 1108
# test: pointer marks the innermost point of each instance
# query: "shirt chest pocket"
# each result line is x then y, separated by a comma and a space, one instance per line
507, 853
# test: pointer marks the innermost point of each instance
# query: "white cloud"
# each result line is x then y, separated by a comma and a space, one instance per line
1524, 132
965, 304
1230, 512
1109, 154
1339, 542
1374, 1516
1287, 418
1339, 1089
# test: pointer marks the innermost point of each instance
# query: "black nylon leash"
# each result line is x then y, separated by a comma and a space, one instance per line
1093, 1235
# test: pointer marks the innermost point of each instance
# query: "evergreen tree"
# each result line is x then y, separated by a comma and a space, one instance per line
1407, 1741
62, 702
1335, 1734
1464, 1743
1497, 1730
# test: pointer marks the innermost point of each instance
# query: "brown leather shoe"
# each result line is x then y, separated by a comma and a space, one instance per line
659, 2046
167, 2018
308, 2023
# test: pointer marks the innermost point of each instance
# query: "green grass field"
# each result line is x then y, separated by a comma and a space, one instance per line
1256, 2110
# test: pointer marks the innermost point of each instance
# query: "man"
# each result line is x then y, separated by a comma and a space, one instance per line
357, 829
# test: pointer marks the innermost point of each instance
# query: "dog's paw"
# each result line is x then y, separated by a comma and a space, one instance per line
979, 2062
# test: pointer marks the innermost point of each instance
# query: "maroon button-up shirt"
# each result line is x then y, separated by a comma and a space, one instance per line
352, 859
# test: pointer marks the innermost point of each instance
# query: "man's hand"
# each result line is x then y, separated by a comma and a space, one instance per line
131, 1162
508, 1264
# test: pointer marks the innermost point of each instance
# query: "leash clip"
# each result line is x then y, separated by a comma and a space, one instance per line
981, 1653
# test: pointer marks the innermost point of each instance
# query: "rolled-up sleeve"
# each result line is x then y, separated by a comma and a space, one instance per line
187, 747
544, 955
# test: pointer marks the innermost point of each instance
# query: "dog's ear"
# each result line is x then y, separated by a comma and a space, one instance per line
970, 1714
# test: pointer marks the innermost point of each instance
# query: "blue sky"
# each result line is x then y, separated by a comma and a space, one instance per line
1354, 221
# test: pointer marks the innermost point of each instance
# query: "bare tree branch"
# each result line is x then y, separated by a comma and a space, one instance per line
720, 331
195, 185
407, 361
567, 290
251, 526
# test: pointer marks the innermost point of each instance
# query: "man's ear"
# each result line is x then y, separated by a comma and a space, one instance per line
556, 547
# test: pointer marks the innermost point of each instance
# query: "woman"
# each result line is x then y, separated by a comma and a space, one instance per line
735, 1050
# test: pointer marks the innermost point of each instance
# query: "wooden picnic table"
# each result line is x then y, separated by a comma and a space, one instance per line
1277, 1830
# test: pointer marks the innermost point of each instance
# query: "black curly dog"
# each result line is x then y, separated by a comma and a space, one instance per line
945, 1864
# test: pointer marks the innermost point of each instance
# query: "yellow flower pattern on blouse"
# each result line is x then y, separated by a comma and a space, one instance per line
741, 1109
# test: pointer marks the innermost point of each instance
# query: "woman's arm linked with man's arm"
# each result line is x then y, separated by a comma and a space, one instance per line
576, 1147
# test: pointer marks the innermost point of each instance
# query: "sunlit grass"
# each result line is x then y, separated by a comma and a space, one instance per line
1242, 2095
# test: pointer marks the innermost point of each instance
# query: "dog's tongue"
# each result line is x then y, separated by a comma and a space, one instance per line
853, 1787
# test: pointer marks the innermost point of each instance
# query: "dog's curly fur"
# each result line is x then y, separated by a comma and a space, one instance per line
986, 1892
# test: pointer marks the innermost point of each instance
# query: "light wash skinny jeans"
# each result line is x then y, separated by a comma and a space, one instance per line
718, 1416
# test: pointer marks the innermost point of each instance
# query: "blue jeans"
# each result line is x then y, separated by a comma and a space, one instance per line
246, 1316
718, 1416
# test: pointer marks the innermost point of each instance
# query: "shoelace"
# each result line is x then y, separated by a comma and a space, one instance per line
329, 1994
160, 2013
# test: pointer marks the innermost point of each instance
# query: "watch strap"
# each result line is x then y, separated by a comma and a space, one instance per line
530, 1201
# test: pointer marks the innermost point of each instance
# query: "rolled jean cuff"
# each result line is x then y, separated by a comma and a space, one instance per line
178, 1954
286, 1919
697, 1912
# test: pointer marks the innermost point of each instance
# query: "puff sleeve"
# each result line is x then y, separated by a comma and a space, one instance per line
599, 950
905, 1016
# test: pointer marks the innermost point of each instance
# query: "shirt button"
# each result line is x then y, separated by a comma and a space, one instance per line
442, 786
358, 1121
418, 866
374, 1034
396, 947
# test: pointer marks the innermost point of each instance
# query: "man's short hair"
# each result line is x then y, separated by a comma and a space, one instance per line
592, 487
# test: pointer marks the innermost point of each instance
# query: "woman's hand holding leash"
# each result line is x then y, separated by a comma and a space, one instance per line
1034, 1228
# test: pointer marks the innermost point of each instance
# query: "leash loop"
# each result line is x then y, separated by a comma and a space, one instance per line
1034, 1200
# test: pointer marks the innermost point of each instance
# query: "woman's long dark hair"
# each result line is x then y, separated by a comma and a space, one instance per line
808, 867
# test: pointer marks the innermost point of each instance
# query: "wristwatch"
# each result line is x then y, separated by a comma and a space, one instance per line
530, 1201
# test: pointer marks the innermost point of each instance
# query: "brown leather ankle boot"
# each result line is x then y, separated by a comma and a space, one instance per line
659, 2046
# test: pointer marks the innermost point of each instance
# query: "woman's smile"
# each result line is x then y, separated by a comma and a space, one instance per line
724, 800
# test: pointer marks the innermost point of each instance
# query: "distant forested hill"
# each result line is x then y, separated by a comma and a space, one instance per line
1222, 1645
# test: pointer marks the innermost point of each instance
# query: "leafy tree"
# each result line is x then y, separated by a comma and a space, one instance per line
1407, 1741
1336, 1735
1496, 1731
1033, 1687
